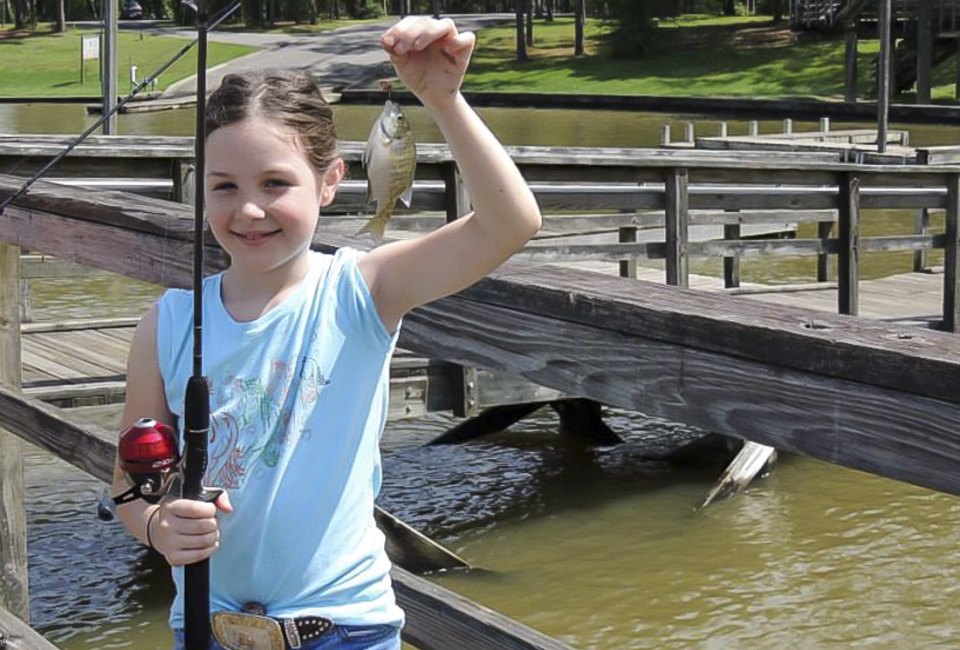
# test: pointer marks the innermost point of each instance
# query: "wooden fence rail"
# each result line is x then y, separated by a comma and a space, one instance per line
620, 187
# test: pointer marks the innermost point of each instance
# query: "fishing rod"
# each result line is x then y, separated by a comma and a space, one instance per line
196, 578
148, 451
25, 187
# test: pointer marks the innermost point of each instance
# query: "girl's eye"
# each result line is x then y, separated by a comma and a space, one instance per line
276, 182
224, 186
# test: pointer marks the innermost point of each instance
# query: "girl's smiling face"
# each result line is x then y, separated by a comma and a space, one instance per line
263, 197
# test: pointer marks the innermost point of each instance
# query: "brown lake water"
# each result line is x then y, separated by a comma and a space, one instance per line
603, 548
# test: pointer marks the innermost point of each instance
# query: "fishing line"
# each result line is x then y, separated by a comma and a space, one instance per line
25, 187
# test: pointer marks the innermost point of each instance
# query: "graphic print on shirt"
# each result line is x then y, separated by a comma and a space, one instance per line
252, 423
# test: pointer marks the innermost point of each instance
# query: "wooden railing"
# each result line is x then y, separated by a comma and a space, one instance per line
585, 191
858, 393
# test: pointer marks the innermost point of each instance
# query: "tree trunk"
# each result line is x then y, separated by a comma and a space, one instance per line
777, 11
580, 20
550, 4
61, 25
521, 39
729, 8
529, 24
19, 19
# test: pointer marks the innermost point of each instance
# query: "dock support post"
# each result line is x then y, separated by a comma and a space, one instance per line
583, 419
14, 590
676, 226
665, 135
885, 77
951, 257
824, 229
731, 265
850, 64
849, 258
628, 235
456, 202
920, 262
924, 51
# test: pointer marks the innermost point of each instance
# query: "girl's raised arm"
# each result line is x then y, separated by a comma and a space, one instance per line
431, 57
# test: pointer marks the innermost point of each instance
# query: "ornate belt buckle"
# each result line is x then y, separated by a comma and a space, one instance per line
239, 631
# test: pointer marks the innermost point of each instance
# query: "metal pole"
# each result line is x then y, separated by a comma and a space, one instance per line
109, 80
883, 74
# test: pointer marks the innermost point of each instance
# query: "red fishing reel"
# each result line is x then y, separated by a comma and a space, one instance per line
150, 457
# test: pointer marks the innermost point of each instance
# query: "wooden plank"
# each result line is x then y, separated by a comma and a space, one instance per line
435, 615
14, 582
17, 635
676, 224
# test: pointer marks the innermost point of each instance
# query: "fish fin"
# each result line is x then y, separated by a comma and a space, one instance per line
377, 226
407, 195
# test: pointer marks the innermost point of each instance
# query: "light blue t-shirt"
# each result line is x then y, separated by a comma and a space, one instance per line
298, 400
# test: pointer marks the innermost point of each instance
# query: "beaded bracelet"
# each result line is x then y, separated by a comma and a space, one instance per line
150, 521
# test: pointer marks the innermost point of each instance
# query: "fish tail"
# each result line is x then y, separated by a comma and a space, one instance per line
378, 224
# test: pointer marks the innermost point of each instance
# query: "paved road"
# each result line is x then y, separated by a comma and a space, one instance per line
347, 57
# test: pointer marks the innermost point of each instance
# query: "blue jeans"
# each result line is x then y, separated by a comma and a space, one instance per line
343, 637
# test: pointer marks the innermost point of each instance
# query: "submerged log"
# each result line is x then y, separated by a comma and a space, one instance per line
749, 463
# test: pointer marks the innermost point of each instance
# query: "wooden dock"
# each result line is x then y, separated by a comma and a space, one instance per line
83, 363
858, 392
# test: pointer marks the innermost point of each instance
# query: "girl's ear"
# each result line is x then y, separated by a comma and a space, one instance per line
330, 180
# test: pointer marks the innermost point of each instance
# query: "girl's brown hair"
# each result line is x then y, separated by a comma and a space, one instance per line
289, 99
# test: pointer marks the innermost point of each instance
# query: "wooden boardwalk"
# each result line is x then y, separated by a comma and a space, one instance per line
74, 364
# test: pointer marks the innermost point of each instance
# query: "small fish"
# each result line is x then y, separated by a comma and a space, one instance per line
390, 159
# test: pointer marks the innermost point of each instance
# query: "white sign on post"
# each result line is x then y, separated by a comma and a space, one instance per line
89, 49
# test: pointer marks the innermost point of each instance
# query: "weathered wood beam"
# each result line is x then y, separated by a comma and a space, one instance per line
17, 635
14, 583
438, 619
884, 431
435, 615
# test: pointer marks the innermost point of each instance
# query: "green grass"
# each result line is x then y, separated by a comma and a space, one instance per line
692, 56
48, 65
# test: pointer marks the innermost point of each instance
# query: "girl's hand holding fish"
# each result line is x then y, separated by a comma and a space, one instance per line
430, 56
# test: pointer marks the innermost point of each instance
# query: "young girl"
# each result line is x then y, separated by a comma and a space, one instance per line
297, 348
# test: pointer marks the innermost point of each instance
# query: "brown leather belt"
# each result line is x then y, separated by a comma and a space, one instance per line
296, 631
304, 629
